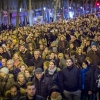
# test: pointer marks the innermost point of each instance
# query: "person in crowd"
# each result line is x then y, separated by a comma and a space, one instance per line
97, 82
14, 92
52, 71
36, 61
17, 59
55, 94
12, 69
28, 76
70, 81
25, 54
6, 80
4, 62
22, 67
42, 83
31, 93
87, 81
21, 81
62, 61
4, 54
94, 54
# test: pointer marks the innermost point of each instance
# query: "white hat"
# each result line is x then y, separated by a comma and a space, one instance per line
4, 70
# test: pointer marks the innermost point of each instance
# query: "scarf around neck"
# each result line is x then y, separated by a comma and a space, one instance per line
51, 71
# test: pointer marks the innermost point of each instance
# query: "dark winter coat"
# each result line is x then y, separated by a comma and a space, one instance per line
15, 72
42, 86
26, 57
70, 79
94, 56
37, 63
36, 97
88, 80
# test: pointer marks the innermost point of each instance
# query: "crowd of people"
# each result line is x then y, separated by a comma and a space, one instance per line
55, 61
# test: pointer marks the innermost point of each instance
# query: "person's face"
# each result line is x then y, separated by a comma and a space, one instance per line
22, 68
36, 54
62, 38
71, 45
39, 76
13, 91
9, 65
22, 48
3, 62
54, 95
15, 56
2, 74
21, 79
69, 62
84, 66
27, 73
1, 50
31, 90
79, 51
93, 47
51, 65
52, 55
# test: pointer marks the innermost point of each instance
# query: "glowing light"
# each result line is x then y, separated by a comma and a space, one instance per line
20, 10
44, 8
98, 4
71, 14
70, 7
81, 7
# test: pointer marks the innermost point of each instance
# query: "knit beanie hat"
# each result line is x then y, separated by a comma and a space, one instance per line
4, 70
94, 44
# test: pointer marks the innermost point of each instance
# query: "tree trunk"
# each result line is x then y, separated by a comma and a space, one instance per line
18, 13
55, 9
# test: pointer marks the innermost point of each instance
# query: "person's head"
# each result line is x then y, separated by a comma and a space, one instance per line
27, 72
71, 45
22, 67
52, 64
4, 72
22, 48
14, 90
46, 65
93, 46
38, 73
4, 62
16, 56
30, 89
10, 64
36, 54
55, 93
84, 64
88, 59
52, 55
79, 50
1, 49
21, 78
62, 38
69, 62
60, 55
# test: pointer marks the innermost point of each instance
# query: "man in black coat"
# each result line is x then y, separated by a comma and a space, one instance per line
31, 93
70, 81
42, 83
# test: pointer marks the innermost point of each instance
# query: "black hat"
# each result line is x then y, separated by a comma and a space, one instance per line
54, 89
